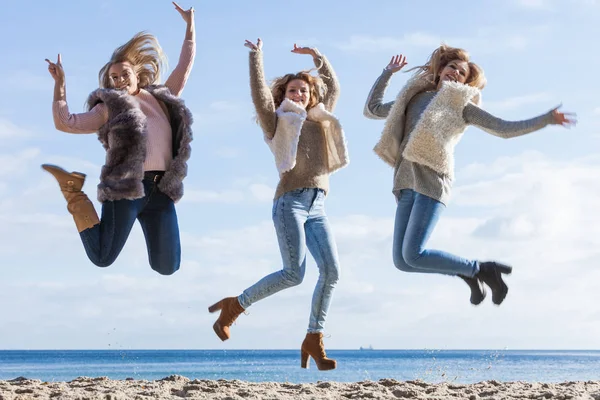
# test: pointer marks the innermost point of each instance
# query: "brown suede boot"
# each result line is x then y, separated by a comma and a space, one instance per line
313, 346
83, 212
78, 204
230, 309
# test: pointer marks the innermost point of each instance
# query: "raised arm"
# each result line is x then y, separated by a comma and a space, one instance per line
64, 121
179, 76
326, 73
261, 93
374, 107
473, 115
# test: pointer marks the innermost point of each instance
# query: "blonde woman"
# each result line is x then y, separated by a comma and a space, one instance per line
422, 126
145, 129
308, 144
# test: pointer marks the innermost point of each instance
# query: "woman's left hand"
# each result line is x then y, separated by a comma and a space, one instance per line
566, 119
187, 15
304, 50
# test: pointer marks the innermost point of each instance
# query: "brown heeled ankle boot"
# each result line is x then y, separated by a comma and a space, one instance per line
230, 309
313, 346
79, 205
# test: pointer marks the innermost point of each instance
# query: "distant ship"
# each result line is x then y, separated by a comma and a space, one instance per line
366, 348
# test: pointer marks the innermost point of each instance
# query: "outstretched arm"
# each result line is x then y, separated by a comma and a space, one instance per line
326, 73
179, 76
88, 122
473, 115
374, 107
261, 93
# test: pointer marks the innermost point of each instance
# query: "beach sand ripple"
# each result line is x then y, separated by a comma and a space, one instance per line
179, 387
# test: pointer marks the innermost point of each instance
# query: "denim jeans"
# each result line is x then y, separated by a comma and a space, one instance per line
157, 216
416, 217
300, 222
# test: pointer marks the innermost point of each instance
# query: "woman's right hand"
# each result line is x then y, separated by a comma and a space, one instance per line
396, 63
56, 70
252, 46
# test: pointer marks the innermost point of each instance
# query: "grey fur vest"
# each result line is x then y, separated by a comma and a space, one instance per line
124, 139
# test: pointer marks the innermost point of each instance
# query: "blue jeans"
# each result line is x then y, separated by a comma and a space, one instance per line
416, 217
157, 216
300, 222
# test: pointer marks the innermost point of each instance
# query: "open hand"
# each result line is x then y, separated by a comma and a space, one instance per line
566, 119
56, 70
396, 63
303, 50
187, 15
253, 46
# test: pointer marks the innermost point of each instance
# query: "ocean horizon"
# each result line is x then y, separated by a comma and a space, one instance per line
433, 366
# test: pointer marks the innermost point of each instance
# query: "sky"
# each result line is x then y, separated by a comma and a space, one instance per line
531, 201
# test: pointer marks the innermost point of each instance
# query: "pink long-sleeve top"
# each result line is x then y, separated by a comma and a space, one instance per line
159, 151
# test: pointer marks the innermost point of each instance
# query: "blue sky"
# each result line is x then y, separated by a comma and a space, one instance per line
529, 201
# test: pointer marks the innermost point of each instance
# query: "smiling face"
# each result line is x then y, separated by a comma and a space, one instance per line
123, 77
455, 71
298, 91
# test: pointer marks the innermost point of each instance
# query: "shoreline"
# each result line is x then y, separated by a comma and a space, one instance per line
176, 386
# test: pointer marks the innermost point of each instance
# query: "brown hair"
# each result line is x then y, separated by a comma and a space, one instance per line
441, 57
316, 85
146, 56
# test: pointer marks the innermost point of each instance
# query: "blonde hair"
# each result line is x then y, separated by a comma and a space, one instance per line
146, 56
316, 85
444, 55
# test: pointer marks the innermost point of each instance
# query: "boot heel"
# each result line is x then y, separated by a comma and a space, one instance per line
304, 359
219, 331
216, 307
505, 269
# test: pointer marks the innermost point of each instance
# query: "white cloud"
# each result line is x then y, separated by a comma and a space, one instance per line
389, 44
262, 192
519, 101
596, 111
553, 5
11, 163
484, 40
535, 4
501, 166
9, 130
535, 213
213, 196
248, 191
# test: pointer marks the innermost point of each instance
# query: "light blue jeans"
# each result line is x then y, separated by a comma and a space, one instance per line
416, 217
300, 222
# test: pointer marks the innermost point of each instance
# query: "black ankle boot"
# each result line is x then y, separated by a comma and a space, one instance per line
490, 273
477, 289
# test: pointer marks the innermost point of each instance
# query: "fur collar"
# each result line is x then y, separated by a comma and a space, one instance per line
290, 119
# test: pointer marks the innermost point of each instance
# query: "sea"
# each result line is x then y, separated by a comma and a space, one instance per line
434, 366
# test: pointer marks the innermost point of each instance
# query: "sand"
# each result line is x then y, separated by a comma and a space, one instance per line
179, 387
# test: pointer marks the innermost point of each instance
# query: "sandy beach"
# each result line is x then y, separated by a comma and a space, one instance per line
177, 387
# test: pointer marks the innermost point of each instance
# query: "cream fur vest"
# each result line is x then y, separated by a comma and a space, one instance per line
438, 130
290, 118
